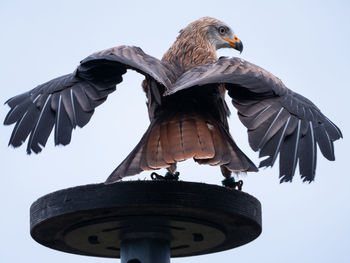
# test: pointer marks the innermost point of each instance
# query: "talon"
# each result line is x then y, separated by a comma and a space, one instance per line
155, 176
172, 176
231, 183
239, 185
168, 176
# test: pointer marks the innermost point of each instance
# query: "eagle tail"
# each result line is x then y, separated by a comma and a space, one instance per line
179, 138
226, 152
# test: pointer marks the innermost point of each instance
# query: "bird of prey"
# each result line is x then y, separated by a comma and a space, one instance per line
188, 115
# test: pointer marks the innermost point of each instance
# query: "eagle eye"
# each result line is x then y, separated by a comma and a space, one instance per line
222, 30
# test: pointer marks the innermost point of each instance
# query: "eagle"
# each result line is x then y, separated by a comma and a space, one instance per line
188, 114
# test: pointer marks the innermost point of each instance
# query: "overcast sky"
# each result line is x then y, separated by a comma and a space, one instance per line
305, 43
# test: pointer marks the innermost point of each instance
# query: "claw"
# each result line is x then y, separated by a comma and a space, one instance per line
231, 183
155, 176
172, 176
167, 177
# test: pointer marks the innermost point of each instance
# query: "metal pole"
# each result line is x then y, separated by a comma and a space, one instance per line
145, 247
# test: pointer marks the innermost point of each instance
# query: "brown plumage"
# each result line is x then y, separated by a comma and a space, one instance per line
187, 110
193, 132
192, 47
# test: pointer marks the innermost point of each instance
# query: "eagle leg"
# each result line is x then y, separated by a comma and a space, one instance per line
230, 181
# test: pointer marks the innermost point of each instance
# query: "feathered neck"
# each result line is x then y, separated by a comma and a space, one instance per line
192, 47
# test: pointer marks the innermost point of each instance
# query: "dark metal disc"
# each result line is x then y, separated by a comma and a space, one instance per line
197, 218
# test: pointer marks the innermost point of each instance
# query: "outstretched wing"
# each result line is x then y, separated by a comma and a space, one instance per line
279, 121
69, 101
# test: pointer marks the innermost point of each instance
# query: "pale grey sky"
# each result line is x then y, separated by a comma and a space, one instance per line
305, 43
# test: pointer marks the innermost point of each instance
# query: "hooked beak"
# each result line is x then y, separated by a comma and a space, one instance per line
235, 43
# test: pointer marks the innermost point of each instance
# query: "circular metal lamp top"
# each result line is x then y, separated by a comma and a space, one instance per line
196, 218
